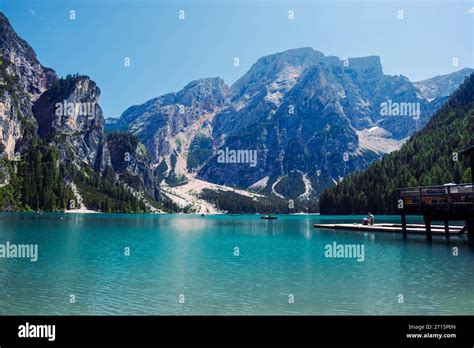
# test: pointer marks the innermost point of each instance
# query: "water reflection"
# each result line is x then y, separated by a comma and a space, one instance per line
194, 256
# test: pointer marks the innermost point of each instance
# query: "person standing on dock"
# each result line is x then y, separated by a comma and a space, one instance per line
371, 218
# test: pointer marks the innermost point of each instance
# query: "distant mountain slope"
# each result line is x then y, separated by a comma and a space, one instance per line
167, 125
426, 159
442, 85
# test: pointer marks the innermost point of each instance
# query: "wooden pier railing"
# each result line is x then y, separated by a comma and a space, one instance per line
448, 198
439, 203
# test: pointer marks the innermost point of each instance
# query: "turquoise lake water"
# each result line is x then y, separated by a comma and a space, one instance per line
172, 255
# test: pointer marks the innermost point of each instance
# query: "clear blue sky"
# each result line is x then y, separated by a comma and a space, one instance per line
166, 52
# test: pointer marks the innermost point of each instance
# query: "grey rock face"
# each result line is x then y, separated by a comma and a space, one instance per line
162, 118
132, 162
22, 80
168, 124
69, 116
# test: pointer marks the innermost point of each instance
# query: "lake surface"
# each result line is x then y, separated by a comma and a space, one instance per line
281, 267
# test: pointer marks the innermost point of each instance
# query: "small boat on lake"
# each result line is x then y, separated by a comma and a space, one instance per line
268, 217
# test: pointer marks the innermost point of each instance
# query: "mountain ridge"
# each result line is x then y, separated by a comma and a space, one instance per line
253, 115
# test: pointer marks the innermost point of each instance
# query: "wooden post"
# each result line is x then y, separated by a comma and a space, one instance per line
446, 228
472, 166
470, 232
429, 236
404, 225
449, 198
420, 197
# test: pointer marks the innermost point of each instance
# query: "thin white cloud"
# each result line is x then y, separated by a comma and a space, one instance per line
471, 10
33, 13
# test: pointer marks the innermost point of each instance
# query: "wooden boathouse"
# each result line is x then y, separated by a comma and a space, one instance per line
449, 202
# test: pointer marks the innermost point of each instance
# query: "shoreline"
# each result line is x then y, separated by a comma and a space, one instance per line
81, 211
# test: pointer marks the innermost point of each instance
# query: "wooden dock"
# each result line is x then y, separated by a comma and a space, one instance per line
442, 203
448, 202
393, 228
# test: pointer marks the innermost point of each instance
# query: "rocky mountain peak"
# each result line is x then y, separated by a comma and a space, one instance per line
206, 91
22, 61
366, 63
296, 56
279, 71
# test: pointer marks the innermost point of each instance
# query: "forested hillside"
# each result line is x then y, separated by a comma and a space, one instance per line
234, 203
35, 181
430, 157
